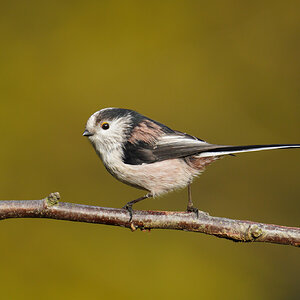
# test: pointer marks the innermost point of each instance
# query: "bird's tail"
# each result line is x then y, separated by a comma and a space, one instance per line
219, 150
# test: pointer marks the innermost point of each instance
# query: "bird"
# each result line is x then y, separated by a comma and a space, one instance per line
150, 156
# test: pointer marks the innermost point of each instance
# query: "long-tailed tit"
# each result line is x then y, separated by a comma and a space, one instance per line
148, 155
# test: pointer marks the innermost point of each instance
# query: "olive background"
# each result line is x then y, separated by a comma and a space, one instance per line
225, 71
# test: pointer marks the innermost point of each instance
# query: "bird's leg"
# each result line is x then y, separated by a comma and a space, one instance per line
128, 205
190, 206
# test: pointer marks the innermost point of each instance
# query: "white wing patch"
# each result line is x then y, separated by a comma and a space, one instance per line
180, 141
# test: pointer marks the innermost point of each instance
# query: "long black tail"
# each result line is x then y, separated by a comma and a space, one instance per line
217, 150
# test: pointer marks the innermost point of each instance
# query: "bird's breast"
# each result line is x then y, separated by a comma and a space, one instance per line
158, 178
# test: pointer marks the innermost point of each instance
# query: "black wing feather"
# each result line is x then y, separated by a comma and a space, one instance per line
138, 153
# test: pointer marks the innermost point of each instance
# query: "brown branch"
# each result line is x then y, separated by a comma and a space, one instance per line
236, 230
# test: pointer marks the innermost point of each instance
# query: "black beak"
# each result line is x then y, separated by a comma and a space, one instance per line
87, 133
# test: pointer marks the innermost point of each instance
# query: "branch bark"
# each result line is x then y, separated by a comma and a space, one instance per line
236, 230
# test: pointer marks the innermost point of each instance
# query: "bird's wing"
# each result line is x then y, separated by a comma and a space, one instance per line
163, 146
179, 145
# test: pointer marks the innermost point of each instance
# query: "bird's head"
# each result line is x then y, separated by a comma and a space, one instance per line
108, 128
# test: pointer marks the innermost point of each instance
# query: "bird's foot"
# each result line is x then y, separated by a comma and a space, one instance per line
128, 207
196, 211
193, 210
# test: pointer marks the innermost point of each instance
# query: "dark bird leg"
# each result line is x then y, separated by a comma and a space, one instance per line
190, 206
128, 205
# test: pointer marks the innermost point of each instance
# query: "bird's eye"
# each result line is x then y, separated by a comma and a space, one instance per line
105, 125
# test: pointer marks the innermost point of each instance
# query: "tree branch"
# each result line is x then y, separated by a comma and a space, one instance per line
236, 230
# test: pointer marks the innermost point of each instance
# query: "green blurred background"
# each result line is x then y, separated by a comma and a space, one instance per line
225, 71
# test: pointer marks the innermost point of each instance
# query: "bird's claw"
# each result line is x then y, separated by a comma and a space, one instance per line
197, 211
130, 210
193, 210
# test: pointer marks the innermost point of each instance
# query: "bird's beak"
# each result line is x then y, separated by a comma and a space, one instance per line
87, 133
